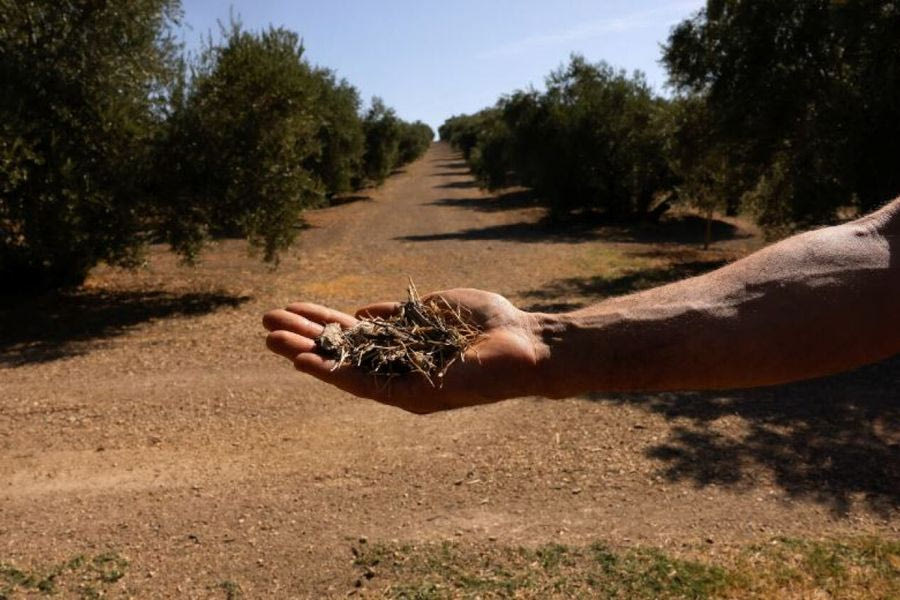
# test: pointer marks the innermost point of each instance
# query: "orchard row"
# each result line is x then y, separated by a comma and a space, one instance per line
110, 138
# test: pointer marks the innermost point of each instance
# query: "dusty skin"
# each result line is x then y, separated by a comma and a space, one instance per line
145, 416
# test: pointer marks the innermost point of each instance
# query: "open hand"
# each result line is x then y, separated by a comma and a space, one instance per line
501, 365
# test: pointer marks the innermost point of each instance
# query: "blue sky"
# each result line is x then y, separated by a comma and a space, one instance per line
430, 59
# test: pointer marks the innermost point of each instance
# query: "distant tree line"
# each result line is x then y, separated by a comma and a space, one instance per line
592, 140
111, 138
790, 109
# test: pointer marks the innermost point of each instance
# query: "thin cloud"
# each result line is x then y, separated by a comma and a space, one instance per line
585, 31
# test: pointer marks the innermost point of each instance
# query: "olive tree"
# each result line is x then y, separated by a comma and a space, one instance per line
803, 101
241, 142
82, 87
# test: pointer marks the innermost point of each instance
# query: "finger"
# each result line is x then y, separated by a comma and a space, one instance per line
409, 392
284, 320
321, 314
288, 344
380, 309
346, 378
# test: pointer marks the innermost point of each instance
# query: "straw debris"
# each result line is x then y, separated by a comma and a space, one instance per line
422, 337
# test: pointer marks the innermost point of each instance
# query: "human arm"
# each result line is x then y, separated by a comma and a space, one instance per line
811, 305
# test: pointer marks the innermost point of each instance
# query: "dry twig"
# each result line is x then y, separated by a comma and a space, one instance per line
423, 337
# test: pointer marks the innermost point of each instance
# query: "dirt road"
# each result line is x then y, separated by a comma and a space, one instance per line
143, 416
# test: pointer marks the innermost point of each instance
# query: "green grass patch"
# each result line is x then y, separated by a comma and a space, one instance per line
858, 568
78, 577
232, 590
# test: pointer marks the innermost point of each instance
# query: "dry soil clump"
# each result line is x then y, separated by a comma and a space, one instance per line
424, 337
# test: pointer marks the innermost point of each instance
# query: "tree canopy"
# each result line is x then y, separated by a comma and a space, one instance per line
591, 140
82, 96
803, 100
110, 138
239, 142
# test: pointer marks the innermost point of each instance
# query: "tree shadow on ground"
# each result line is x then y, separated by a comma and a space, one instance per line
524, 232
59, 325
499, 202
676, 229
456, 165
594, 289
348, 199
458, 185
833, 440
584, 227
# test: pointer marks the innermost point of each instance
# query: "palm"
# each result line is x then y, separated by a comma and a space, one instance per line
506, 347
497, 367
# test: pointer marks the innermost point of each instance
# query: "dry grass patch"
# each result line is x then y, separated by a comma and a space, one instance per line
783, 568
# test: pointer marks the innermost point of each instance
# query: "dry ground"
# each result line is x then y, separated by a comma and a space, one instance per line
143, 418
